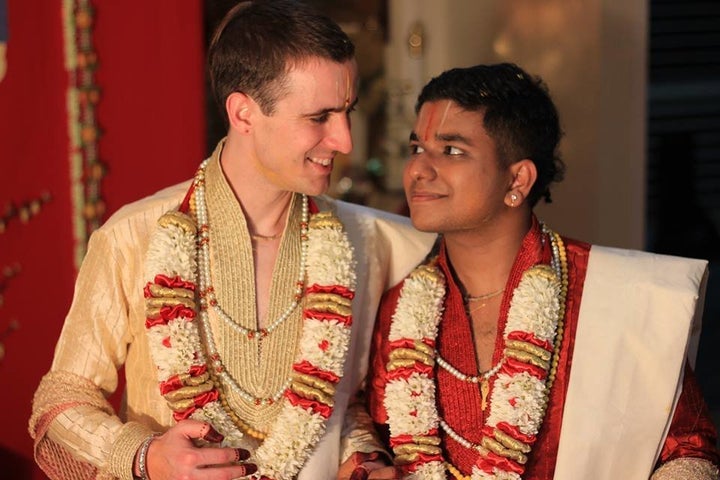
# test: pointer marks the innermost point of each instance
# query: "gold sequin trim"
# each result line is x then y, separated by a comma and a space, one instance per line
190, 381
413, 448
428, 272
411, 354
426, 440
496, 447
329, 297
530, 348
425, 348
527, 358
510, 442
688, 469
188, 392
154, 303
181, 405
325, 219
168, 292
312, 393
331, 307
314, 382
406, 459
179, 220
545, 271
399, 363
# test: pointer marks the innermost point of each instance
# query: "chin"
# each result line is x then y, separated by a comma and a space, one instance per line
315, 190
424, 225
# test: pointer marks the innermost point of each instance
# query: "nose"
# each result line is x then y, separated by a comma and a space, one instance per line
419, 167
339, 137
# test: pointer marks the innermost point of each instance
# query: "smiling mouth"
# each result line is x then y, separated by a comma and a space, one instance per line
424, 196
325, 162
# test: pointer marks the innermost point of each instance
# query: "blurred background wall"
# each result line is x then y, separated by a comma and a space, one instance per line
102, 103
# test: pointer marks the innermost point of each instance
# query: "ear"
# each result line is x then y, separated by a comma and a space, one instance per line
239, 108
523, 174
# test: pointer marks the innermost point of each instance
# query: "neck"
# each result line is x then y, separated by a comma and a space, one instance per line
483, 258
265, 205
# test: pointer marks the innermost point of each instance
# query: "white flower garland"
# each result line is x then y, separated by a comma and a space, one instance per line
176, 346
518, 398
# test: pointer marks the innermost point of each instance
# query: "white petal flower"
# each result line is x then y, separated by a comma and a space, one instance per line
184, 347
428, 471
171, 252
518, 400
410, 405
286, 448
330, 256
497, 474
419, 309
325, 344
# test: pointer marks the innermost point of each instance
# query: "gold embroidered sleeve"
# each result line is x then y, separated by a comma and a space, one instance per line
687, 468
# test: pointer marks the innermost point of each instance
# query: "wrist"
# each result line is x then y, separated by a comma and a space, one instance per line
140, 464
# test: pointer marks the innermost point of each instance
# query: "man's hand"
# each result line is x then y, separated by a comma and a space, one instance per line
174, 455
362, 466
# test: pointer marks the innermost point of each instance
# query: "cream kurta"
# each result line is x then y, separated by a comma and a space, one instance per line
105, 327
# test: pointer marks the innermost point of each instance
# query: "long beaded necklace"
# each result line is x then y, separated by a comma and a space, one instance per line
188, 379
445, 365
208, 298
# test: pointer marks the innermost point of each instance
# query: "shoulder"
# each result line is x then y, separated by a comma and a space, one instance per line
386, 239
635, 266
131, 226
148, 209
384, 222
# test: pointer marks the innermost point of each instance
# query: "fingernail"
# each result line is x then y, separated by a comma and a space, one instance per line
250, 468
242, 454
213, 436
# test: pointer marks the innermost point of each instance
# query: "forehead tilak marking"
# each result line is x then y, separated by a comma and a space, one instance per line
338, 86
430, 127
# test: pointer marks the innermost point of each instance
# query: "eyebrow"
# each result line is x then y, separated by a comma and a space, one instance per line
334, 110
444, 137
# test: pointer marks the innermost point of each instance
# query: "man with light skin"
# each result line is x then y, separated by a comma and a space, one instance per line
513, 352
240, 303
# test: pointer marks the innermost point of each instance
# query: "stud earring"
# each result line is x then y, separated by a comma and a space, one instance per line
513, 199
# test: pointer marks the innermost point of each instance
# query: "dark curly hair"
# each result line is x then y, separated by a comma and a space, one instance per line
257, 43
518, 114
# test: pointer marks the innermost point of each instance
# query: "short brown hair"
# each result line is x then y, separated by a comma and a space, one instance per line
257, 43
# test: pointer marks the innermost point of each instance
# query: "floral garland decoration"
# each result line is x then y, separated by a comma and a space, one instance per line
86, 168
520, 389
184, 370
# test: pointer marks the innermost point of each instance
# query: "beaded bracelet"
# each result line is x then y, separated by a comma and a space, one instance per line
142, 457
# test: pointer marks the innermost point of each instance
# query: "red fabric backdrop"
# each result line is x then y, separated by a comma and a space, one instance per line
151, 111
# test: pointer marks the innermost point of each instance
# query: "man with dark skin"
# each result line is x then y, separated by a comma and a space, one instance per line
513, 352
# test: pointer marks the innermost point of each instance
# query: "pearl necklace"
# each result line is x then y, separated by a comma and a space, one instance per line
445, 365
207, 296
207, 290
459, 438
